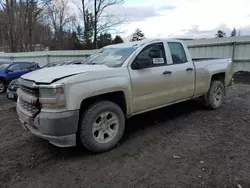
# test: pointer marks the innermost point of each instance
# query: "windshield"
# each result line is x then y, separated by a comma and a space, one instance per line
54, 64
112, 57
3, 66
60, 63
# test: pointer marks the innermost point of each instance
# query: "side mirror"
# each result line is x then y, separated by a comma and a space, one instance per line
141, 63
8, 71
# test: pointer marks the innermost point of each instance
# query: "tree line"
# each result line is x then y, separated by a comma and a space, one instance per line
27, 25
221, 34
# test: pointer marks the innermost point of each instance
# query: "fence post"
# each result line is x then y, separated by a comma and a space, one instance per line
47, 59
233, 51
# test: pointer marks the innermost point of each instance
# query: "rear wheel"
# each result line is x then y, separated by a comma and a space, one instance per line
102, 126
2, 86
214, 97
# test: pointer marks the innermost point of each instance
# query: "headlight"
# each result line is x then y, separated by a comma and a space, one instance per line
52, 96
51, 92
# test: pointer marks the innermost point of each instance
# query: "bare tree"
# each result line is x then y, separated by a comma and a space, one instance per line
239, 32
104, 21
9, 7
59, 16
85, 10
28, 24
3, 31
21, 21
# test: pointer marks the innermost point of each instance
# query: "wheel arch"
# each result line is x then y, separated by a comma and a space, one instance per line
219, 77
118, 97
2, 79
4, 83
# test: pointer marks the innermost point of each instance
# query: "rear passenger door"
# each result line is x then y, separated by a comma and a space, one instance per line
183, 72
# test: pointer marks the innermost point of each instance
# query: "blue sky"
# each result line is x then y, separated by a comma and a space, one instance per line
184, 18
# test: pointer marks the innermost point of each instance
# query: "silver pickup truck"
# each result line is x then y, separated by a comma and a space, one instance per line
90, 102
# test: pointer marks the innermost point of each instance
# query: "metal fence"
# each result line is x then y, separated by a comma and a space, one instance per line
45, 57
237, 48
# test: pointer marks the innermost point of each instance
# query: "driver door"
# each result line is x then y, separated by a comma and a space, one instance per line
151, 86
14, 72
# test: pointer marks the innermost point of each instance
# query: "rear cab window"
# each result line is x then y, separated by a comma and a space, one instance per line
177, 52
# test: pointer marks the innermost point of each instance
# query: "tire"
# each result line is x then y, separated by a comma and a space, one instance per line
2, 87
214, 97
101, 126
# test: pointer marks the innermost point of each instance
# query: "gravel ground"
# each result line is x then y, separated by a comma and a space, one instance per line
182, 146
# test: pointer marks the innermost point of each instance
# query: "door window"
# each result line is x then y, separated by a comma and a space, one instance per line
25, 66
177, 52
15, 68
154, 54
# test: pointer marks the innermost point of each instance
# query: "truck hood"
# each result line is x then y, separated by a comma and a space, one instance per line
49, 75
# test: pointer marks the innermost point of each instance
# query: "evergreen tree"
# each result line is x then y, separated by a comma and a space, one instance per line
117, 40
75, 43
220, 34
88, 30
233, 33
104, 40
137, 35
79, 32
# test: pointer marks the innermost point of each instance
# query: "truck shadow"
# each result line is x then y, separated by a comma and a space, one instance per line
149, 119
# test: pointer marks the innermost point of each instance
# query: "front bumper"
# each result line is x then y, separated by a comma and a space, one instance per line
58, 128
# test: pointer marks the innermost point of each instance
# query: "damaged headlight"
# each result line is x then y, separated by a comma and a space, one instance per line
52, 96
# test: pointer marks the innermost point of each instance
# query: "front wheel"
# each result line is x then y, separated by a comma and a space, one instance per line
102, 126
214, 97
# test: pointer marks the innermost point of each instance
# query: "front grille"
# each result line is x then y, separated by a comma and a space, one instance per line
31, 91
33, 109
13, 87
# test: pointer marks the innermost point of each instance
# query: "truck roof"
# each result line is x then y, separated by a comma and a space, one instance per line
140, 43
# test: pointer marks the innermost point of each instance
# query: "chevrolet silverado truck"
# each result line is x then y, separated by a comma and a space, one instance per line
89, 103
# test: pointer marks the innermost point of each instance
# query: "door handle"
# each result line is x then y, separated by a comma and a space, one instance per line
167, 72
189, 69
